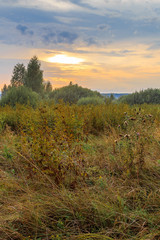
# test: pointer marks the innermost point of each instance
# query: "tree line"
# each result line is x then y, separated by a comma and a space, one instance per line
149, 96
27, 86
32, 77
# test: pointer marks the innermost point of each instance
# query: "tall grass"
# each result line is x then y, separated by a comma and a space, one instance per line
75, 172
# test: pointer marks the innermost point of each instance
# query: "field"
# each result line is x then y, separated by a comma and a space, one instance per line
80, 172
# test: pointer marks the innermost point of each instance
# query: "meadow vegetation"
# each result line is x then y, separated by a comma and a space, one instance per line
75, 165
80, 172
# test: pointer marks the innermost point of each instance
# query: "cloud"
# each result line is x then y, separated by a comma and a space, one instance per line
63, 37
117, 53
67, 37
68, 20
24, 30
21, 15
91, 41
104, 27
49, 38
154, 46
148, 56
45, 5
107, 21
132, 9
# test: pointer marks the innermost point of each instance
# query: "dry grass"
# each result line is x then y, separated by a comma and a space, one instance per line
110, 190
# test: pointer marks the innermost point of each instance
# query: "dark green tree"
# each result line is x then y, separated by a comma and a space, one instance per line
149, 96
72, 93
111, 98
4, 90
34, 75
48, 87
18, 76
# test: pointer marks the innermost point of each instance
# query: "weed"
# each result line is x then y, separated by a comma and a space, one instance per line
80, 172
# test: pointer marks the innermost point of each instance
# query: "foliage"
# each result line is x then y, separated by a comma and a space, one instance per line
48, 87
112, 97
72, 93
90, 100
31, 78
149, 96
135, 135
46, 90
18, 76
22, 95
80, 172
34, 75
5, 89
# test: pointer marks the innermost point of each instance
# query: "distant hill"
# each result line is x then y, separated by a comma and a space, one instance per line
116, 95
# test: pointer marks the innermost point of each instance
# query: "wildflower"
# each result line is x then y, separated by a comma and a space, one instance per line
126, 136
125, 123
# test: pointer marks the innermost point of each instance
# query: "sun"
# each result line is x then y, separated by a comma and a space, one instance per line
64, 59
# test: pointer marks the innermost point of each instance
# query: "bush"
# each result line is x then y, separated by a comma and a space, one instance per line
90, 101
21, 95
72, 93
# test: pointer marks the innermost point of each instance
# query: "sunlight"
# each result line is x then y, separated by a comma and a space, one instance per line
64, 59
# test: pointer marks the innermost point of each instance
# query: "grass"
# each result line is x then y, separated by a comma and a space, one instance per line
80, 173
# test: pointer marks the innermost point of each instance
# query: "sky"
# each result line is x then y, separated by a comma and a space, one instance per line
104, 45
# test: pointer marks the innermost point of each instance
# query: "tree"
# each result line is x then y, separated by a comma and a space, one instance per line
4, 90
149, 96
34, 75
72, 93
18, 76
48, 87
111, 98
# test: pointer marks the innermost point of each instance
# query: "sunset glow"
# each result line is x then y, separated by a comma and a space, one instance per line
63, 59
109, 46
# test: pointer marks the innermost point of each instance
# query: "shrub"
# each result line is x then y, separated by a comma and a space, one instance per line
59, 181
90, 100
21, 95
72, 93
